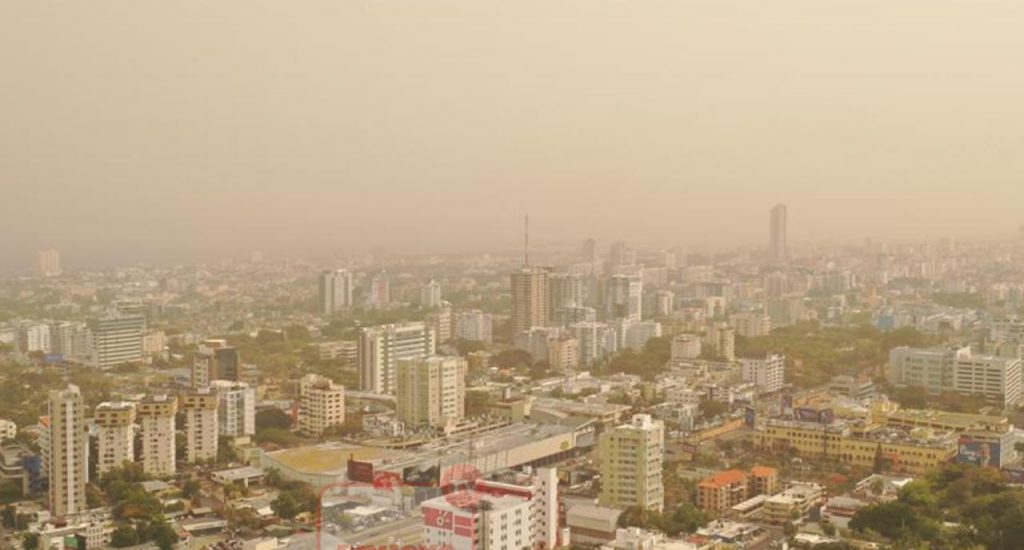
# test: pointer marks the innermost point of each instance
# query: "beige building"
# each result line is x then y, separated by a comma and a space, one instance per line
156, 422
431, 391
631, 456
115, 435
201, 429
564, 353
68, 456
321, 404
381, 347
529, 298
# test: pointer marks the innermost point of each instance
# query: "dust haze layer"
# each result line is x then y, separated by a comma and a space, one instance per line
142, 131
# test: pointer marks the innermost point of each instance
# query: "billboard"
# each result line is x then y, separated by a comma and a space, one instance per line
750, 416
422, 475
808, 414
440, 519
978, 453
360, 471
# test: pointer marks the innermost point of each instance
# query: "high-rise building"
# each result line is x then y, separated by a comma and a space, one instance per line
71, 340
442, 322
631, 460
431, 391
215, 360
380, 349
664, 303
721, 338
49, 263
596, 341
778, 247
768, 374
116, 339
33, 336
201, 427
474, 325
115, 435
68, 459
564, 353
156, 423
236, 408
564, 290
380, 291
958, 369
624, 297
751, 324
321, 405
492, 515
529, 298
335, 291
430, 295
638, 333
685, 347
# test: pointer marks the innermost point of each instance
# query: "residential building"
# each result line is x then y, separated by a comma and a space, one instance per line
431, 391
67, 458
236, 408
380, 291
529, 298
793, 503
321, 405
997, 379
215, 360
597, 341
474, 325
493, 515
637, 334
116, 339
624, 297
115, 435
564, 353
721, 338
49, 263
201, 425
380, 349
335, 291
430, 295
156, 422
685, 347
728, 488
631, 458
751, 324
564, 290
442, 322
768, 374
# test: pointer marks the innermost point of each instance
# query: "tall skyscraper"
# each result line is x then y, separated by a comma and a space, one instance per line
335, 291
631, 461
48, 263
431, 391
380, 348
116, 339
115, 437
474, 325
529, 298
321, 405
380, 290
430, 295
215, 360
156, 422
236, 408
590, 251
624, 297
201, 427
564, 290
68, 456
777, 245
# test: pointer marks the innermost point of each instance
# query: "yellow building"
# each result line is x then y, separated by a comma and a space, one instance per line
914, 451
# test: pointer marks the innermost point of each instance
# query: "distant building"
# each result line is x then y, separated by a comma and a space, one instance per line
474, 325
215, 360
380, 349
997, 379
768, 374
726, 489
529, 298
685, 346
335, 291
750, 324
624, 297
380, 291
321, 405
115, 435
597, 341
778, 246
564, 353
116, 339
236, 408
201, 425
49, 263
442, 323
431, 391
564, 290
722, 339
68, 453
156, 422
637, 334
631, 458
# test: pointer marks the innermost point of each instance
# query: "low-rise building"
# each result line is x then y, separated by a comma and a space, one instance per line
793, 503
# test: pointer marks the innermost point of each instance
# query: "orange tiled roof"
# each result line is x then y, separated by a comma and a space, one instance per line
761, 471
722, 479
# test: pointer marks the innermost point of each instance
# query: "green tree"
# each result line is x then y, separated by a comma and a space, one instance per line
273, 418
124, 536
29, 541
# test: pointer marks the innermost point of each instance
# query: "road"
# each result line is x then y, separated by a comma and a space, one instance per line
406, 531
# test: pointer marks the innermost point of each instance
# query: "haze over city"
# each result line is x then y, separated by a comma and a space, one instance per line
142, 132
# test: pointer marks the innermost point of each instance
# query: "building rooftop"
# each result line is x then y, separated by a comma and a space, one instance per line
722, 479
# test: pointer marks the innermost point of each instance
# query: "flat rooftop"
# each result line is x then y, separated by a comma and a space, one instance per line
332, 458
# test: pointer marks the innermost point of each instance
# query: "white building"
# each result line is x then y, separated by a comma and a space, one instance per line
596, 342
624, 297
637, 334
474, 325
236, 408
721, 338
35, 337
156, 422
496, 516
335, 291
751, 324
997, 379
431, 391
631, 458
321, 404
685, 347
8, 429
115, 435
380, 349
430, 295
768, 374
116, 339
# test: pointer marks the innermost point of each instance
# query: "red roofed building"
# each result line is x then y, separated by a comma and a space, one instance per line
726, 489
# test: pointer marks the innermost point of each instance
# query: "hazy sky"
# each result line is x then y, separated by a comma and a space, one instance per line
175, 130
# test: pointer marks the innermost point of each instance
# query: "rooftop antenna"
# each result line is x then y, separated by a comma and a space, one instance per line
526, 242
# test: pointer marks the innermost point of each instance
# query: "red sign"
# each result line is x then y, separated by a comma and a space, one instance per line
438, 519
360, 471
